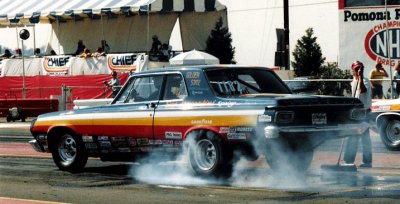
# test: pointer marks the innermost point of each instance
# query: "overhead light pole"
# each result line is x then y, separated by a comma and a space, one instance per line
23, 34
286, 33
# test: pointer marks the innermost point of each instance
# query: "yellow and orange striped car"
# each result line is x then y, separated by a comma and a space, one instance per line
210, 112
387, 114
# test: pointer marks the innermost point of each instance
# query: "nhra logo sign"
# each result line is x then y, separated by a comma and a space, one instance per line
122, 62
383, 41
56, 64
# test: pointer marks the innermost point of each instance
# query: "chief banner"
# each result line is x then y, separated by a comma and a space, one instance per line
125, 62
56, 65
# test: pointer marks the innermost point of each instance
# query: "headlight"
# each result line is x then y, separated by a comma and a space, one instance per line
32, 124
358, 114
284, 117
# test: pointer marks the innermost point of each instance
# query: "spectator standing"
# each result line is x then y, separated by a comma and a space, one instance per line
106, 48
114, 83
155, 46
80, 48
361, 89
377, 74
396, 76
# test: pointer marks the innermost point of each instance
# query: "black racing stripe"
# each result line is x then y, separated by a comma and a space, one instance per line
209, 5
167, 5
189, 5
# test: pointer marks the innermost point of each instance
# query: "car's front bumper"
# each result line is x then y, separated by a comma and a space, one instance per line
37, 146
336, 131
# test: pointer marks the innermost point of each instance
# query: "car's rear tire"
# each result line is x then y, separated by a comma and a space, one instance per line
69, 153
389, 132
282, 155
210, 156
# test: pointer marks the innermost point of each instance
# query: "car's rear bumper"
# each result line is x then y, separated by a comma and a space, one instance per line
341, 130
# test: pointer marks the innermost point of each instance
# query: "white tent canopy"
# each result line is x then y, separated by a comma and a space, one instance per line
126, 25
194, 57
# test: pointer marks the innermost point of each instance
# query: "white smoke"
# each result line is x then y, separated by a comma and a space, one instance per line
156, 171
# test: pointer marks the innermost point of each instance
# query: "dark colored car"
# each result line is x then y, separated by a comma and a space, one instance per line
209, 112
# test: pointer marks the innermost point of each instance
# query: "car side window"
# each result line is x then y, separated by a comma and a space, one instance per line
145, 88
175, 87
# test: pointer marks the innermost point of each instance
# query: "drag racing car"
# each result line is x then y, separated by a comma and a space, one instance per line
387, 113
209, 113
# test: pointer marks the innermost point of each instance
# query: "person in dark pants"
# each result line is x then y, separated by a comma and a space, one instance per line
361, 89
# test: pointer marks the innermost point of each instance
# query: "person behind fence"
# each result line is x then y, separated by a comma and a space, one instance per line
377, 74
114, 83
37, 53
106, 48
361, 89
80, 48
86, 53
155, 46
18, 53
52, 52
396, 77
99, 52
6, 54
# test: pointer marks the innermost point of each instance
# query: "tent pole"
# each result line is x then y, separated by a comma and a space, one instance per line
102, 30
148, 29
58, 34
34, 38
23, 70
16, 32
388, 52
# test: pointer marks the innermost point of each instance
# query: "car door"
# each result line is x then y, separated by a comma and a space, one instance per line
131, 113
170, 123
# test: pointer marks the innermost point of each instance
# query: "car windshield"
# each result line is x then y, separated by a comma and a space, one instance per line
236, 82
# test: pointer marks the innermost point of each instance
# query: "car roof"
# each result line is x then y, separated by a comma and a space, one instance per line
198, 68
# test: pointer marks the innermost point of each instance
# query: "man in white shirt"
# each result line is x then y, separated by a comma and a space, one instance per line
361, 89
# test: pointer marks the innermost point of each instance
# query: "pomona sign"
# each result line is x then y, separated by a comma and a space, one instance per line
369, 34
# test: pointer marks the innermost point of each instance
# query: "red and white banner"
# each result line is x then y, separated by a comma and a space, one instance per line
72, 66
125, 62
56, 65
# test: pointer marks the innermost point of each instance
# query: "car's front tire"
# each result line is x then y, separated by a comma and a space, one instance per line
209, 156
390, 134
69, 153
283, 155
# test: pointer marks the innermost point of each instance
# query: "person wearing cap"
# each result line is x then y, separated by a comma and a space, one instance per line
376, 75
361, 89
114, 83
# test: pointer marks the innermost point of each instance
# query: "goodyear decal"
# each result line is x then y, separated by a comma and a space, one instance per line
56, 64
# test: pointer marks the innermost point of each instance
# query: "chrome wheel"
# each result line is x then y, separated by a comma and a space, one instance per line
205, 155
67, 149
393, 132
